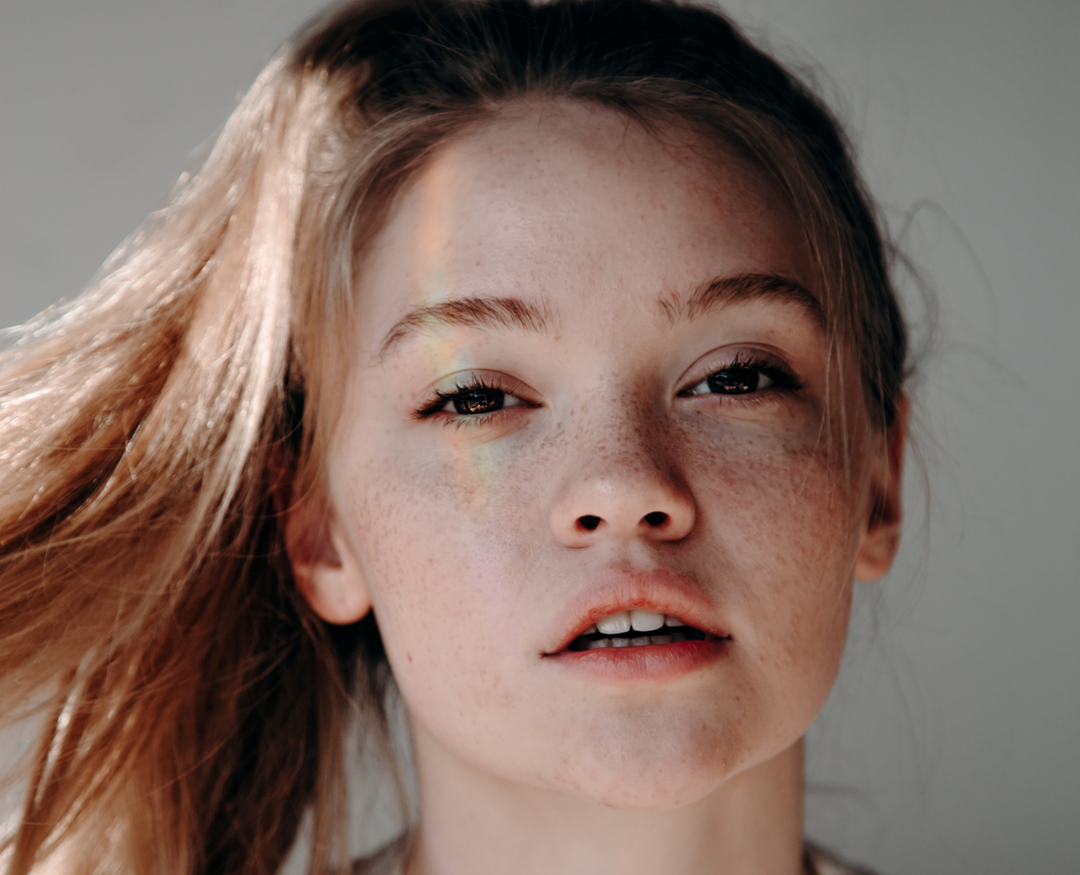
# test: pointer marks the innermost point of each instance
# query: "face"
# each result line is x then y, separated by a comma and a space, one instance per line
590, 380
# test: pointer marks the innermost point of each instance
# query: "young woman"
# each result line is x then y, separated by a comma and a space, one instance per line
539, 362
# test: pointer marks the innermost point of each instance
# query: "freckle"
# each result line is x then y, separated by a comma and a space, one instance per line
408, 656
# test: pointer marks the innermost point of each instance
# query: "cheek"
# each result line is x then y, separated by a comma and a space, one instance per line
782, 542
438, 539
778, 501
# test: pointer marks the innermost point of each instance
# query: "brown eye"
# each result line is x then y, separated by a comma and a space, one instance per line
473, 402
736, 381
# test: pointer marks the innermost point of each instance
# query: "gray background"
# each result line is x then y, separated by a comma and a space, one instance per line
951, 743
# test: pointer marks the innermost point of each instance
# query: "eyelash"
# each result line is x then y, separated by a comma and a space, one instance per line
460, 391
767, 365
782, 377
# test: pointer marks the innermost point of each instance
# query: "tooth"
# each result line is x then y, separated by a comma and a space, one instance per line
616, 624
640, 642
645, 621
590, 630
660, 639
673, 621
620, 642
600, 642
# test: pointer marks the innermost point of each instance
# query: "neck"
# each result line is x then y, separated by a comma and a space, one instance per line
472, 823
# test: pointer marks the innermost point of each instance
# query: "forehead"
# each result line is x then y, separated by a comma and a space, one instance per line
576, 206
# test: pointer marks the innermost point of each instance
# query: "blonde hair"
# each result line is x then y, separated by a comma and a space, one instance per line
153, 430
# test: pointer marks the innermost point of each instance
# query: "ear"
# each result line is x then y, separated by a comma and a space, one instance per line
328, 574
881, 536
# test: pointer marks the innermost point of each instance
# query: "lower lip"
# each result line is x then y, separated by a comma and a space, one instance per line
653, 661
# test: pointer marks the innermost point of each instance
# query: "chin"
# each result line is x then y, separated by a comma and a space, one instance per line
649, 773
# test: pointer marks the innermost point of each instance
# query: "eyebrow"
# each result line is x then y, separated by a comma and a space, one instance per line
500, 312
475, 312
742, 287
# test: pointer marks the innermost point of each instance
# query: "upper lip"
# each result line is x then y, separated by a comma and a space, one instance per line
659, 590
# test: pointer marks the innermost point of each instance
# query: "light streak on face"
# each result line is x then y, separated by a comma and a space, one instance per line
436, 192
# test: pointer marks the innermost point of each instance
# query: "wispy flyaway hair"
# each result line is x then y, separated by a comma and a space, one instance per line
153, 431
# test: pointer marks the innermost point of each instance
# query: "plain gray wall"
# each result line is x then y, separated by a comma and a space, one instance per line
951, 744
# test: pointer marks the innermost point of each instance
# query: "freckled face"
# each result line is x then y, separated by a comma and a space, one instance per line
564, 378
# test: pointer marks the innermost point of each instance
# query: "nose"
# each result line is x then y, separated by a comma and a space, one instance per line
628, 494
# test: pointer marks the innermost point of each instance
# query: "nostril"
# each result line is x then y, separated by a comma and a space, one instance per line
588, 522
656, 519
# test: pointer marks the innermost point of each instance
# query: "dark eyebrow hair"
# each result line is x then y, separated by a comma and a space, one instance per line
743, 287
469, 312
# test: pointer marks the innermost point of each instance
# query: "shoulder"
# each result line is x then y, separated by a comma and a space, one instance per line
822, 862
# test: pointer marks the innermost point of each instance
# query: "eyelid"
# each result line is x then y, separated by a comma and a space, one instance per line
765, 359
440, 392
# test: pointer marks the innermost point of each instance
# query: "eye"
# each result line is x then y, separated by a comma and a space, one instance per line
746, 375
481, 399
473, 400
733, 381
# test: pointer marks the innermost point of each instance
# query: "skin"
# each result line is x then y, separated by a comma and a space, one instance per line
463, 533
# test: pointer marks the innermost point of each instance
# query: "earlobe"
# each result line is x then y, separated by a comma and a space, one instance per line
328, 574
881, 537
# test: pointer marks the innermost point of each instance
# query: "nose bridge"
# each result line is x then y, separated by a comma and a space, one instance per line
622, 481
629, 444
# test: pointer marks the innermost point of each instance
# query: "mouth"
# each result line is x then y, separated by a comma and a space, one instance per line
638, 628
641, 644
619, 613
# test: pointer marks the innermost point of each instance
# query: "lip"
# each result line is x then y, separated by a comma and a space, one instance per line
658, 590
653, 662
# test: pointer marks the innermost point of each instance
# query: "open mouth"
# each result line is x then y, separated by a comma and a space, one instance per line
637, 628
